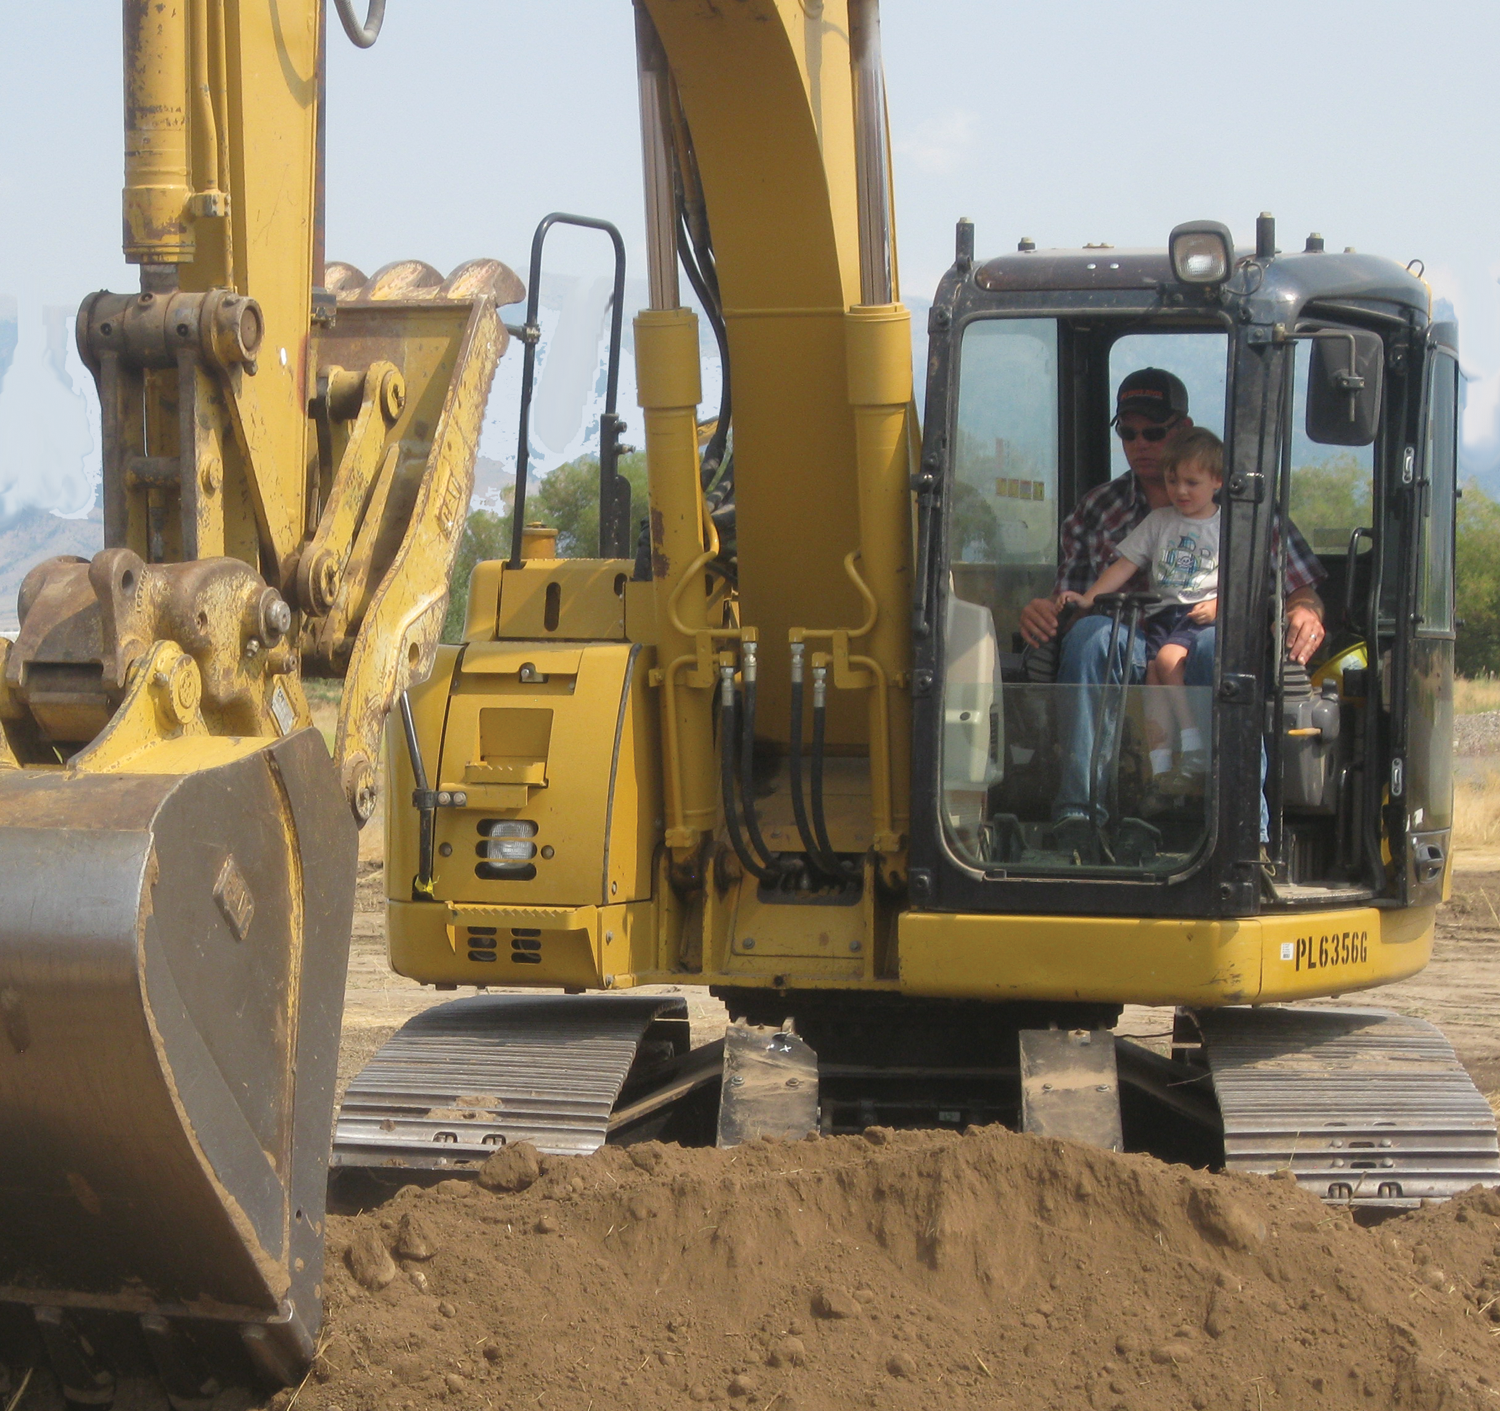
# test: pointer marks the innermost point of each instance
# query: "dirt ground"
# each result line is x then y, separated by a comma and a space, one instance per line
912, 1270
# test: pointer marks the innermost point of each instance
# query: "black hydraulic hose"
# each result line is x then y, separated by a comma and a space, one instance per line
747, 760
820, 726
820, 860
424, 800
727, 713
707, 292
361, 35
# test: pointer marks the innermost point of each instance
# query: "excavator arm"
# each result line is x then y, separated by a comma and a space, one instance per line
287, 461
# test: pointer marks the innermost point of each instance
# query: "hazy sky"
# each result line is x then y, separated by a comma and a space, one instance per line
1373, 123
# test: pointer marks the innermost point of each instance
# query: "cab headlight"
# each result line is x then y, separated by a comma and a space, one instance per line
1202, 252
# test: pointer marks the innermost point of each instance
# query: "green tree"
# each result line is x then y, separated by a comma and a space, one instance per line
567, 500
1477, 570
486, 536
1330, 498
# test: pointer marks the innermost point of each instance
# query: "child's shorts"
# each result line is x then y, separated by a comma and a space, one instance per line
1171, 625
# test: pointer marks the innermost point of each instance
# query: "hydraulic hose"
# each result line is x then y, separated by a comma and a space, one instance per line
819, 859
361, 35
700, 277
820, 726
727, 713
747, 760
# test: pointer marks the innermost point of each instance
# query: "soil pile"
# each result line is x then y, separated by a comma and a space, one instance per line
895, 1270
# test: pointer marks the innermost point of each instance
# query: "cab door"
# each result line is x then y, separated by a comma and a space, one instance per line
1421, 778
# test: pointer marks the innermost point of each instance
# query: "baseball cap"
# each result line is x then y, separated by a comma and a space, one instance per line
1153, 392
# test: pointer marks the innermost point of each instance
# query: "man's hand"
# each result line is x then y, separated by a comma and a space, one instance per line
1039, 621
1204, 612
1304, 626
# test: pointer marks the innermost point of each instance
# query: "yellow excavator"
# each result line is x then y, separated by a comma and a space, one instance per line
789, 746
784, 746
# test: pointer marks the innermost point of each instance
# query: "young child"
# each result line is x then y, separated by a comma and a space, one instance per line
1179, 543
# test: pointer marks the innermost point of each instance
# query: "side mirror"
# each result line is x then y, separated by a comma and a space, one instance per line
1344, 384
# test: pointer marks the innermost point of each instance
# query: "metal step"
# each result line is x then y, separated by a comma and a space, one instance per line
1365, 1107
461, 1079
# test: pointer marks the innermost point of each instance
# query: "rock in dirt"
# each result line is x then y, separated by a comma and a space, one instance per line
369, 1260
834, 1303
1224, 1221
788, 1352
512, 1168
1173, 1353
414, 1239
645, 1156
901, 1364
744, 1384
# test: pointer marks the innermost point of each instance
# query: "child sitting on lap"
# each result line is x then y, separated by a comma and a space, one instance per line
1180, 544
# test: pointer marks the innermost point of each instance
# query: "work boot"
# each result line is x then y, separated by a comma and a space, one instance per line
1074, 835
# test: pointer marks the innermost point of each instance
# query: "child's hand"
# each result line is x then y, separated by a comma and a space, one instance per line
1206, 611
1083, 600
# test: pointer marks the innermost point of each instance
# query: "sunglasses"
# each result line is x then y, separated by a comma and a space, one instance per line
1146, 433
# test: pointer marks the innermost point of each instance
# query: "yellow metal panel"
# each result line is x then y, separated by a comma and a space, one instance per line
189, 755
640, 612
483, 610
578, 715
573, 946
508, 659
577, 599
635, 820
1150, 961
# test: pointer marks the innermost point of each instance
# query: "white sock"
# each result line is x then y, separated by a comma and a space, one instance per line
1161, 761
1192, 740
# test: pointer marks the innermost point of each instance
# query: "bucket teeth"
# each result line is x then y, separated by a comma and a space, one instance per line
185, 1379
84, 1378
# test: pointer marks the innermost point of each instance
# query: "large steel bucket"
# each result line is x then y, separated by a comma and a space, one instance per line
172, 960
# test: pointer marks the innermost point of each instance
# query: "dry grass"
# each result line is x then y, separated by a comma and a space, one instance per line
1473, 695
1476, 810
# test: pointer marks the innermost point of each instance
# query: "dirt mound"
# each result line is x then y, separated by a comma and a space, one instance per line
903, 1269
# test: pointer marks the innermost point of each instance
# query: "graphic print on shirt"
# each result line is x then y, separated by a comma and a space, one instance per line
1187, 564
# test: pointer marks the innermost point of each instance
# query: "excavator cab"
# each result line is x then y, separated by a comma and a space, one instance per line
1317, 786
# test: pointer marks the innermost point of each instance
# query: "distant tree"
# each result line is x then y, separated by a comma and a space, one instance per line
486, 536
974, 536
1477, 570
567, 500
1332, 495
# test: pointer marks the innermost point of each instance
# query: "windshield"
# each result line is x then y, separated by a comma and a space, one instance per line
1062, 759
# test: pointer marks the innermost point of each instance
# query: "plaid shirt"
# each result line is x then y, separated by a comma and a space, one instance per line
1090, 536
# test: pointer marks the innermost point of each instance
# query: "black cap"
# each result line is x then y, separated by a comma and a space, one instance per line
1152, 392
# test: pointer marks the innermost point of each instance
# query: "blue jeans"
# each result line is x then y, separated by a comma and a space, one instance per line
1083, 661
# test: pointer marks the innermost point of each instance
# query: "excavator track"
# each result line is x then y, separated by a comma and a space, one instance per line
1365, 1107
460, 1080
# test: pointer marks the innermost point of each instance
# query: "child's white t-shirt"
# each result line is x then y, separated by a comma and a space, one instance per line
1181, 553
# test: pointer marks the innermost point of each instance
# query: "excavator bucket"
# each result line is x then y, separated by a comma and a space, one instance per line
172, 960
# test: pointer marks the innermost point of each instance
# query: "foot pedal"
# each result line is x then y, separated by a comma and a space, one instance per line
770, 1086
1069, 1086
